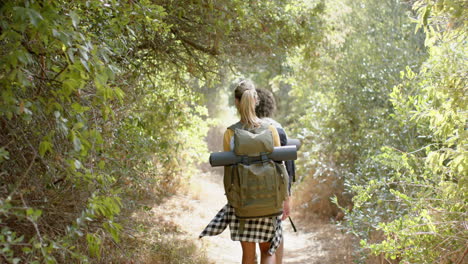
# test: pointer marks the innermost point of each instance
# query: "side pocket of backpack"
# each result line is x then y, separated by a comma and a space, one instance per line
284, 178
231, 185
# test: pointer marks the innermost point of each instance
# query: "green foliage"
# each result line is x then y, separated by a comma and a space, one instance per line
433, 181
100, 108
389, 121
342, 108
283, 27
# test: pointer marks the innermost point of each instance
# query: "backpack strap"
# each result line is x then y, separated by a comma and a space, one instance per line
263, 126
238, 127
235, 126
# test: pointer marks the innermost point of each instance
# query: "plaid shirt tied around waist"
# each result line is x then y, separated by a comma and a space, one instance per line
257, 230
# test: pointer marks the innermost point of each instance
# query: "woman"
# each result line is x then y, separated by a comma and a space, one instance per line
267, 232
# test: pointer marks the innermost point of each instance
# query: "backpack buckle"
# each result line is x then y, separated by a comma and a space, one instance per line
245, 160
264, 157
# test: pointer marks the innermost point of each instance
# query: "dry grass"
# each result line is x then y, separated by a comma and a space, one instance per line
313, 210
195, 190
317, 242
150, 235
313, 197
152, 239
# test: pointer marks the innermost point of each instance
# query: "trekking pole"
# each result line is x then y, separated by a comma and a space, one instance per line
293, 226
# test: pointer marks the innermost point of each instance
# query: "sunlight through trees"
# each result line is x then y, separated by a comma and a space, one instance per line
106, 104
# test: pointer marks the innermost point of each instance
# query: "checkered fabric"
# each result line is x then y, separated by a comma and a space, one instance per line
257, 230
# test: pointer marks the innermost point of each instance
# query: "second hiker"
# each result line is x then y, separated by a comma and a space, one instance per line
256, 189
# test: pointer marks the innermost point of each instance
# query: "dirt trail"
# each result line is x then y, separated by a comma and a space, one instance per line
313, 243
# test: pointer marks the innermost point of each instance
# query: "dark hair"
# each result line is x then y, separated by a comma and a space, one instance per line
267, 104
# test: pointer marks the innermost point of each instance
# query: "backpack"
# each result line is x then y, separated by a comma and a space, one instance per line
257, 186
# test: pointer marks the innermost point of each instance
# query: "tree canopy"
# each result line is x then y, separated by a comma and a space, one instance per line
105, 104
101, 107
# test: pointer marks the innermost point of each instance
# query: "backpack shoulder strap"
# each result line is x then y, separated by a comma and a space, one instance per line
263, 126
235, 126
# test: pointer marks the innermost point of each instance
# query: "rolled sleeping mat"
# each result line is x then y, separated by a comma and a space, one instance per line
284, 153
295, 142
228, 157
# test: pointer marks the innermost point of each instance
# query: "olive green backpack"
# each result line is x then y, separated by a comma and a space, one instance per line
257, 186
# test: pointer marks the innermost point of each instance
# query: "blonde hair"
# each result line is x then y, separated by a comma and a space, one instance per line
247, 95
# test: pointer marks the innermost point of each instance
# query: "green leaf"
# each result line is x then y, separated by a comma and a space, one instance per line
69, 86
26, 249
75, 19
77, 164
427, 12
34, 16
85, 64
76, 142
119, 93
4, 154
78, 125
71, 54
79, 108
114, 229
44, 147
94, 245
33, 213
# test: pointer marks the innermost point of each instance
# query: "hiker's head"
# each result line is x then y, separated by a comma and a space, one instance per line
267, 105
246, 99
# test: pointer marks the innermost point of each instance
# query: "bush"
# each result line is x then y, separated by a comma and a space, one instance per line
100, 109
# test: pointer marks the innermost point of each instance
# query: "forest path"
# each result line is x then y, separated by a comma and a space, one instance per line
192, 211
